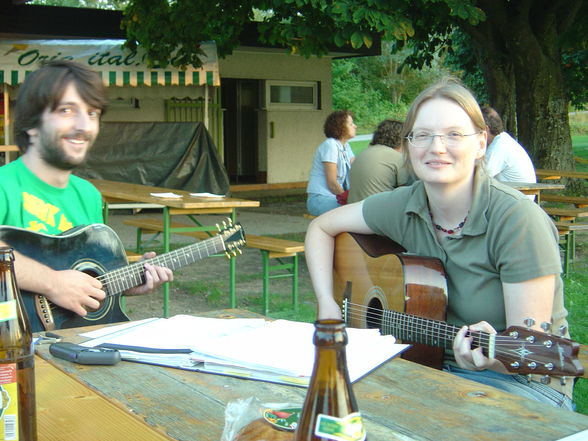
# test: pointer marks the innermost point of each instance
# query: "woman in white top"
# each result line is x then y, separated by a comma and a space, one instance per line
329, 175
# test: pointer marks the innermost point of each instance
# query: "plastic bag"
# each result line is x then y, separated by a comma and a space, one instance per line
240, 413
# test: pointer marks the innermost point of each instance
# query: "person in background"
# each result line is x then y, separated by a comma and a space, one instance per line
506, 159
57, 119
499, 249
380, 167
329, 174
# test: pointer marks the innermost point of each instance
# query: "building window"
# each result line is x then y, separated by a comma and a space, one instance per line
292, 95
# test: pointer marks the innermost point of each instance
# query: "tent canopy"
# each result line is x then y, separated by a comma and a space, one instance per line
117, 66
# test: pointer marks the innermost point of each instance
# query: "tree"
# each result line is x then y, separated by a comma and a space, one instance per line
517, 43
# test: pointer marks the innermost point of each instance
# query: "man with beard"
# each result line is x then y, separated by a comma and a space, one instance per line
57, 118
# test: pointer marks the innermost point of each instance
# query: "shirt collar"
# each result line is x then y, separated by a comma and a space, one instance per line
477, 222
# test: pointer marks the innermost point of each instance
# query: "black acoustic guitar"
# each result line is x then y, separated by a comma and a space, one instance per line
378, 285
97, 250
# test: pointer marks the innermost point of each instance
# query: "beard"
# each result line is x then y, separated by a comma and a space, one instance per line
53, 152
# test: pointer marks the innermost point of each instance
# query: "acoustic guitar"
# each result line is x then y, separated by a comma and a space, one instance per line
379, 285
97, 250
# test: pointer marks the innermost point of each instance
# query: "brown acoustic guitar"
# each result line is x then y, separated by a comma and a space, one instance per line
379, 285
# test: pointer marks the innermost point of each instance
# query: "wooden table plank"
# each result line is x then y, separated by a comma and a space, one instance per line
400, 401
124, 191
558, 174
69, 411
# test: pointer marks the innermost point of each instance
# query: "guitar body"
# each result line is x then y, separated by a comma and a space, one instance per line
373, 271
70, 250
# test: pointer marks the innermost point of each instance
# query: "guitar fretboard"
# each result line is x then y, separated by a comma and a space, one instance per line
411, 328
121, 279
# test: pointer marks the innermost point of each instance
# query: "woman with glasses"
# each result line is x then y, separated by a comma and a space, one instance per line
329, 174
499, 249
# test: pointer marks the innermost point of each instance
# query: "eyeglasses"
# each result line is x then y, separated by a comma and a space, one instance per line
425, 139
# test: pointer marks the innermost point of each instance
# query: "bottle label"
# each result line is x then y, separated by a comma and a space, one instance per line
8, 402
7, 310
350, 428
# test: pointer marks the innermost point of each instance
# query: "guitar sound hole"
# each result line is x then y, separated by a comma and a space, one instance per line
374, 313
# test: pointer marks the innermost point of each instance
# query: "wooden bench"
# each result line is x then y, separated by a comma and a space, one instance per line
270, 248
566, 231
132, 256
578, 201
279, 249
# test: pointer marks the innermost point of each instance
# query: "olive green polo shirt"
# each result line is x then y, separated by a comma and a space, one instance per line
506, 238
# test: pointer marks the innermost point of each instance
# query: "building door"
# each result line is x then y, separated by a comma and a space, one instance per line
240, 101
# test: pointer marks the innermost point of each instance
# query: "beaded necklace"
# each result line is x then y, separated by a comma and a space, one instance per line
451, 230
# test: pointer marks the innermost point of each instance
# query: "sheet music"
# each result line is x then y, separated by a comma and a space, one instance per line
278, 351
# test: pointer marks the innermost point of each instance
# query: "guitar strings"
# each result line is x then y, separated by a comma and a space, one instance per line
126, 277
377, 318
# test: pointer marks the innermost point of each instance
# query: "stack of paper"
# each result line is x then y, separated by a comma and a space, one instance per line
279, 351
207, 195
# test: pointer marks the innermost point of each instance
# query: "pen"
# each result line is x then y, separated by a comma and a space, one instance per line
143, 349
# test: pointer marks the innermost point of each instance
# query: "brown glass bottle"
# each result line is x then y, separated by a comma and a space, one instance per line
330, 411
18, 420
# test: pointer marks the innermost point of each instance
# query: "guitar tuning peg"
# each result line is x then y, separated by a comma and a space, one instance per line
563, 330
239, 251
227, 254
563, 381
546, 326
217, 227
528, 378
546, 379
529, 322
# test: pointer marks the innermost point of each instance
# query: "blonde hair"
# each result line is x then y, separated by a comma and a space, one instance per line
450, 89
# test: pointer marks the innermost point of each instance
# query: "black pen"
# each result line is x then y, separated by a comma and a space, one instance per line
143, 349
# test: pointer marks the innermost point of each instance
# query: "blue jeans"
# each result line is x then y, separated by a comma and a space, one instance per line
317, 204
515, 384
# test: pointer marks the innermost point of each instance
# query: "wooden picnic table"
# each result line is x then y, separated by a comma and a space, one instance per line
400, 401
191, 206
534, 188
558, 174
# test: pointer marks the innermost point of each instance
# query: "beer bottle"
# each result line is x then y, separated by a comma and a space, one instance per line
17, 377
330, 411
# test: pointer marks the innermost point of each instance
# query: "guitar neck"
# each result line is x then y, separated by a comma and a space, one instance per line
431, 332
121, 279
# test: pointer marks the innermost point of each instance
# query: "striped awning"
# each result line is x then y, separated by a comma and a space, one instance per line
116, 66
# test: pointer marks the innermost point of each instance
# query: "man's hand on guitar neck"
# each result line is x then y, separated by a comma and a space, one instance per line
155, 276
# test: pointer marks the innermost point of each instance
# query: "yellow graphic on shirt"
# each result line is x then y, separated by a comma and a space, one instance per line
45, 212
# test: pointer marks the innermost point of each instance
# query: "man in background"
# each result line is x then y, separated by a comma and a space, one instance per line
506, 159
380, 167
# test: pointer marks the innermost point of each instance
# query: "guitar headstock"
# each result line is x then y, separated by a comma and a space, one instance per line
526, 351
233, 237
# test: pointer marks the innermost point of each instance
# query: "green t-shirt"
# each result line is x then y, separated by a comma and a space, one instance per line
28, 202
507, 238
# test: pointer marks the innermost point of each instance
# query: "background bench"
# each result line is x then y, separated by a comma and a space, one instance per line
284, 251
578, 201
566, 231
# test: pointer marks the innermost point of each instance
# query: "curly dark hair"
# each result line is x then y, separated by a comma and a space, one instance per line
493, 120
335, 124
388, 133
44, 88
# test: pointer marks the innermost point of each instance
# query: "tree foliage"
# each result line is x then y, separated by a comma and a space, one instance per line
531, 53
